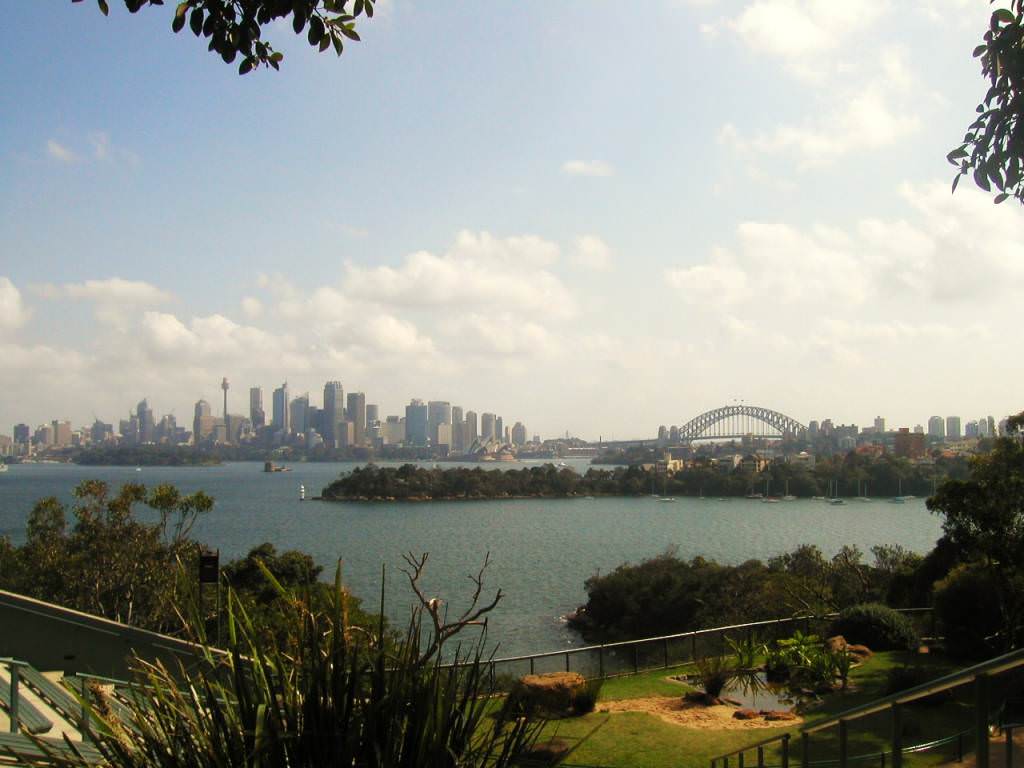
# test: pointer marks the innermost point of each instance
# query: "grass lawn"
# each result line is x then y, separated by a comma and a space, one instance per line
641, 740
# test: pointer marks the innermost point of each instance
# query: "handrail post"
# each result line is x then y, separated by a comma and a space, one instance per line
785, 750
600, 660
666, 653
83, 724
739, 760
636, 659
13, 708
531, 665
693, 647
843, 739
760, 757
805, 758
1009, 746
897, 735
981, 689
566, 661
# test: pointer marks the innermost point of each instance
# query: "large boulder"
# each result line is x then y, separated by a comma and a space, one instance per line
746, 714
551, 694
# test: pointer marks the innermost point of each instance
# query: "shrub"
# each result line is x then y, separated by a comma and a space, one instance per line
586, 698
968, 611
877, 626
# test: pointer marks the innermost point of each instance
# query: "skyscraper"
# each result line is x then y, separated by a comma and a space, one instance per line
936, 427
499, 429
256, 413
357, 415
879, 424
487, 425
519, 434
298, 413
202, 422
952, 427
470, 432
279, 419
439, 412
372, 414
334, 412
61, 433
147, 424
458, 429
416, 422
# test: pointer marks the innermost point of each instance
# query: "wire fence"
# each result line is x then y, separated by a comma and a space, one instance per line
632, 657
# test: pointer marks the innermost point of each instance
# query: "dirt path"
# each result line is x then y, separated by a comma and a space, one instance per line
673, 709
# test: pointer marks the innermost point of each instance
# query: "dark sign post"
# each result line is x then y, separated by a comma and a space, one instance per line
209, 573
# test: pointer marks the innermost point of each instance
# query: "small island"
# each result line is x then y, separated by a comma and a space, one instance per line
412, 483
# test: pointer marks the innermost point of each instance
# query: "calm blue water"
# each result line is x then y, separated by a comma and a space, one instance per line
541, 551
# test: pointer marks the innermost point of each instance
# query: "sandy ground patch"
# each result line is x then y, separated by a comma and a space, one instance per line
673, 709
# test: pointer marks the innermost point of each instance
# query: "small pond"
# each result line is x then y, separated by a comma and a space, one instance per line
762, 694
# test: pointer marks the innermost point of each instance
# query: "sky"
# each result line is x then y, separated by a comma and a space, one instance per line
591, 217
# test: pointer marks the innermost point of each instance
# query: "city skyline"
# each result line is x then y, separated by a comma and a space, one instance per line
739, 199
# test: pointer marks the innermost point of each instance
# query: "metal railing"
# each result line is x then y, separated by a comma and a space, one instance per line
629, 657
981, 676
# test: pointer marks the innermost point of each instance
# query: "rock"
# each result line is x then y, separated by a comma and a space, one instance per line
859, 652
733, 702
746, 714
836, 644
552, 693
778, 714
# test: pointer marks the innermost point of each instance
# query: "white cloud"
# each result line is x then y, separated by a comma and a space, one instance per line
801, 32
587, 168
252, 307
480, 270
13, 312
867, 120
592, 252
58, 151
112, 291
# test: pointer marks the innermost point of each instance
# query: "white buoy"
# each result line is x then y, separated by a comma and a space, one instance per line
302, 492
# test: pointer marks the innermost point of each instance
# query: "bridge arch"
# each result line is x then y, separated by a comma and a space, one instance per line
731, 421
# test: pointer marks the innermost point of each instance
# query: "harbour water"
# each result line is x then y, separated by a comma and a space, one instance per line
542, 551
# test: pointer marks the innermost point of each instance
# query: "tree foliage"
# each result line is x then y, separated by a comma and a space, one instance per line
984, 519
666, 594
993, 147
234, 28
108, 562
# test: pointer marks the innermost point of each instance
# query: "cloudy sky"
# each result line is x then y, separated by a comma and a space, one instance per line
589, 216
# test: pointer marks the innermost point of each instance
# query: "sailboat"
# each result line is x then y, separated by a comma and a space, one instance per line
788, 496
862, 496
899, 498
768, 498
302, 492
834, 491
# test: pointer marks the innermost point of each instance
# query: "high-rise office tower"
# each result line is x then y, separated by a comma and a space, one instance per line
499, 429
519, 434
147, 424
487, 427
879, 424
470, 430
372, 414
357, 415
298, 412
936, 427
952, 427
992, 427
61, 433
257, 415
334, 412
458, 429
983, 427
416, 422
202, 422
22, 434
279, 417
439, 412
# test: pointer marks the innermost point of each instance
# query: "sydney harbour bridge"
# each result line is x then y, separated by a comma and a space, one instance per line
738, 421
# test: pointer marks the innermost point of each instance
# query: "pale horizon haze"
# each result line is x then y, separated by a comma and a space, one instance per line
587, 216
